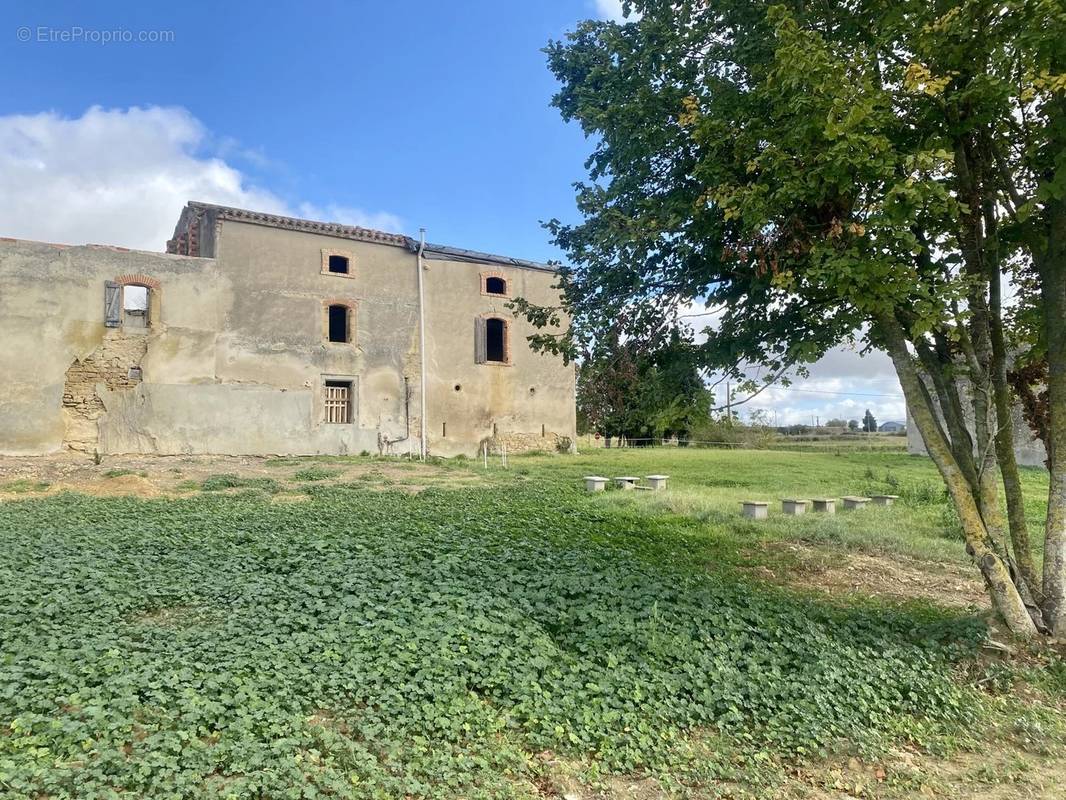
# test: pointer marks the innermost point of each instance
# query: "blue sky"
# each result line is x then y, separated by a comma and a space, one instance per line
393, 116
436, 114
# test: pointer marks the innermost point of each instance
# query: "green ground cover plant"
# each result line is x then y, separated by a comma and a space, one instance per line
216, 483
383, 644
315, 473
23, 485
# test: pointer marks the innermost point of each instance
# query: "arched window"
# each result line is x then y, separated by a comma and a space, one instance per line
135, 306
494, 283
130, 301
491, 341
339, 323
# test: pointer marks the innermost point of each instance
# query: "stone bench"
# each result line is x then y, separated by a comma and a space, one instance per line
594, 483
627, 482
824, 505
884, 499
656, 482
852, 503
794, 507
755, 509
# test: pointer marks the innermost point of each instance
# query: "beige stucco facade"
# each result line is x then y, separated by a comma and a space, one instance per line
235, 355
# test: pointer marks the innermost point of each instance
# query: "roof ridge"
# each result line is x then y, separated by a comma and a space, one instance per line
298, 223
358, 233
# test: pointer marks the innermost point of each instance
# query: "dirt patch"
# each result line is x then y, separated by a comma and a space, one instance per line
997, 772
177, 476
898, 578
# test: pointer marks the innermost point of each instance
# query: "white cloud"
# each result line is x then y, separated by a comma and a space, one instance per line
840, 385
381, 220
121, 176
612, 10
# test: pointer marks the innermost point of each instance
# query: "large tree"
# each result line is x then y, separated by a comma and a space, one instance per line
832, 171
624, 390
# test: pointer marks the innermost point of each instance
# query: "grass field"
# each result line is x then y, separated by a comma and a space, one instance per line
366, 628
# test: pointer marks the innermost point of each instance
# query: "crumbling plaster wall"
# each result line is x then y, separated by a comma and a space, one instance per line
223, 369
51, 317
235, 357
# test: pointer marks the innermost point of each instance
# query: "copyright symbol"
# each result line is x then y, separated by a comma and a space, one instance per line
23, 34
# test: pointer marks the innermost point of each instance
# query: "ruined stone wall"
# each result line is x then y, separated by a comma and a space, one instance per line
59, 361
528, 442
113, 366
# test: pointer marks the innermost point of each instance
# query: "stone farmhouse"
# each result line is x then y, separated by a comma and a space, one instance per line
262, 334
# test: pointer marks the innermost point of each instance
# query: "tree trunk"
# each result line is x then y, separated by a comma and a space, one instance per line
1005, 596
1008, 463
1053, 298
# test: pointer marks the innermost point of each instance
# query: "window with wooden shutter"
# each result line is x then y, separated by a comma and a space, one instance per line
112, 304
496, 340
480, 355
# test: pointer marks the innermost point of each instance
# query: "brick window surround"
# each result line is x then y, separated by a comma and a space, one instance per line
506, 340
495, 274
154, 295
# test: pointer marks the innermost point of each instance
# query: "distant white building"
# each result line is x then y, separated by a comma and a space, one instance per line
892, 427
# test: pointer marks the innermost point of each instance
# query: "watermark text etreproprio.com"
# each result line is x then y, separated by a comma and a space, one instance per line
76, 34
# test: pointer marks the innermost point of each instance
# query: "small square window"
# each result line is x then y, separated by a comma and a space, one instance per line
338, 262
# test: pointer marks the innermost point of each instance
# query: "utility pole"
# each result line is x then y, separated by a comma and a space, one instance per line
728, 404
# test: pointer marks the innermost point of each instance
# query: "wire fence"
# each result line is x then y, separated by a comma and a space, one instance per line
860, 441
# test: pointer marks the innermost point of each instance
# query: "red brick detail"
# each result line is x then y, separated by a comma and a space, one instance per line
137, 279
495, 274
506, 338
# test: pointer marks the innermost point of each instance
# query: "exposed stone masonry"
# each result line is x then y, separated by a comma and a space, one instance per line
526, 442
109, 364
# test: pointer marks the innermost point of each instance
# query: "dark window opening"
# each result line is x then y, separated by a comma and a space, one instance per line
338, 400
338, 324
338, 264
495, 340
495, 286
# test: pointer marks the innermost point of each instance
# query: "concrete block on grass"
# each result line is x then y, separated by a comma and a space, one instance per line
755, 509
824, 505
656, 482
